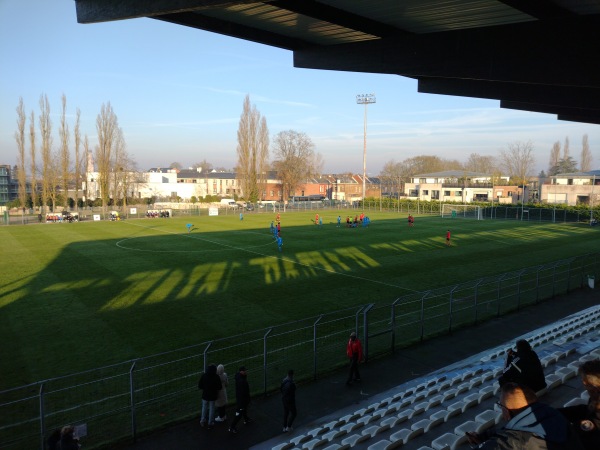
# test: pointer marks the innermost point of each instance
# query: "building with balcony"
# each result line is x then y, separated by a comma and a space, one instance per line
572, 188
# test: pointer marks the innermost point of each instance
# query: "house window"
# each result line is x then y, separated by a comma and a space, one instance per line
447, 193
272, 193
425, 192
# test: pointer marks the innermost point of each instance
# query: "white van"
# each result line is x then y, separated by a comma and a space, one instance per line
226, 201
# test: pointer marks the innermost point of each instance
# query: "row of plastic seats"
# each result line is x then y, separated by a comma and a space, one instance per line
367, 423
360, 426
400, 408
481, 422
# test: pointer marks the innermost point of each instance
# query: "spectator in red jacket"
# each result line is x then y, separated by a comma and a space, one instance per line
355, 353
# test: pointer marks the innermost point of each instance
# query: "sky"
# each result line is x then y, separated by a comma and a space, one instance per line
178, 94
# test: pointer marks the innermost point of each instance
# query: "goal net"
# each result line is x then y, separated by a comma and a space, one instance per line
461, 212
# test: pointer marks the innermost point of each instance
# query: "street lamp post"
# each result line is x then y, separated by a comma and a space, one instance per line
365, 99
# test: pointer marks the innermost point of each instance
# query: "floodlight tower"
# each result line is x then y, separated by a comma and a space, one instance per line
365, 99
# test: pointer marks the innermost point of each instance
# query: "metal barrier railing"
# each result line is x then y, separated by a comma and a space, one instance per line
134, 396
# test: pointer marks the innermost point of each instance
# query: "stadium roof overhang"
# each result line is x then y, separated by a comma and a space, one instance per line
532, 55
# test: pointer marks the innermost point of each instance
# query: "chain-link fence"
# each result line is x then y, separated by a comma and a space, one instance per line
119, 401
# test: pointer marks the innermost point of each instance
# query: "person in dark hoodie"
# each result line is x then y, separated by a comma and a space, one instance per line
242, 399
586, 418
524, 367
530, 425
210, 383
288, 398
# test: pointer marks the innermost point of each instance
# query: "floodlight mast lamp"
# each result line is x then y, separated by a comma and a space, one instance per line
365, 99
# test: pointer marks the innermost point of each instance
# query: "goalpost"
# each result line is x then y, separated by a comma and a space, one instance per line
461, 212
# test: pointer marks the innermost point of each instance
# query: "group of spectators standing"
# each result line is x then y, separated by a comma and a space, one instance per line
214, 381
533, 425
213, 384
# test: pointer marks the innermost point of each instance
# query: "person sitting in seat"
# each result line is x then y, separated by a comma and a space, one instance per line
531, 425
586, 418
524, 367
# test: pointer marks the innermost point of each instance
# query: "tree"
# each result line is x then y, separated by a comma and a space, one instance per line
568, 165
34, 187
64, 152
586, 155
252, 150
175, 165
20, 138
204, 165
47, 160
295, 160
106, 126
554, 157
54, 178
86, 155
78, 156
394, 175
517, 161
428, 164
480, 164
566, 149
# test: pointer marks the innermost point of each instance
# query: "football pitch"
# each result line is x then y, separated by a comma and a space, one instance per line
78, 296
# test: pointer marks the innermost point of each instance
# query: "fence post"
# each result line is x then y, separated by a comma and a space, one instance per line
265, 359
42, 417
205, 357
315, 346
476, 289
498, 294
132, 401
393, 322
451, 305
537, 284
423, 313
553, 278
519, 290
366, 329
356, 319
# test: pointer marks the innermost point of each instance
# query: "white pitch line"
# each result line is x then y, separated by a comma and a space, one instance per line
323, 269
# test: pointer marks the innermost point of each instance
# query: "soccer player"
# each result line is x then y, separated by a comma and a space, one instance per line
279, 242
189, 227
241, 216
317, 219
339, 221
448, 238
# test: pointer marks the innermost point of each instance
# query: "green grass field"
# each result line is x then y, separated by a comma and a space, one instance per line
82, 295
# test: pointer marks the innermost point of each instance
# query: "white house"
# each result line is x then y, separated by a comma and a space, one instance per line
572, 188
453, 186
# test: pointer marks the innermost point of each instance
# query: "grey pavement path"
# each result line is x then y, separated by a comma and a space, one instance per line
330, 394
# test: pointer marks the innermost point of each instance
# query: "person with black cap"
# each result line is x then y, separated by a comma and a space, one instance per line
355, 353
242, 398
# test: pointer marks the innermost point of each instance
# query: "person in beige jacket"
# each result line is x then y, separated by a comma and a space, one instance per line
221, 402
